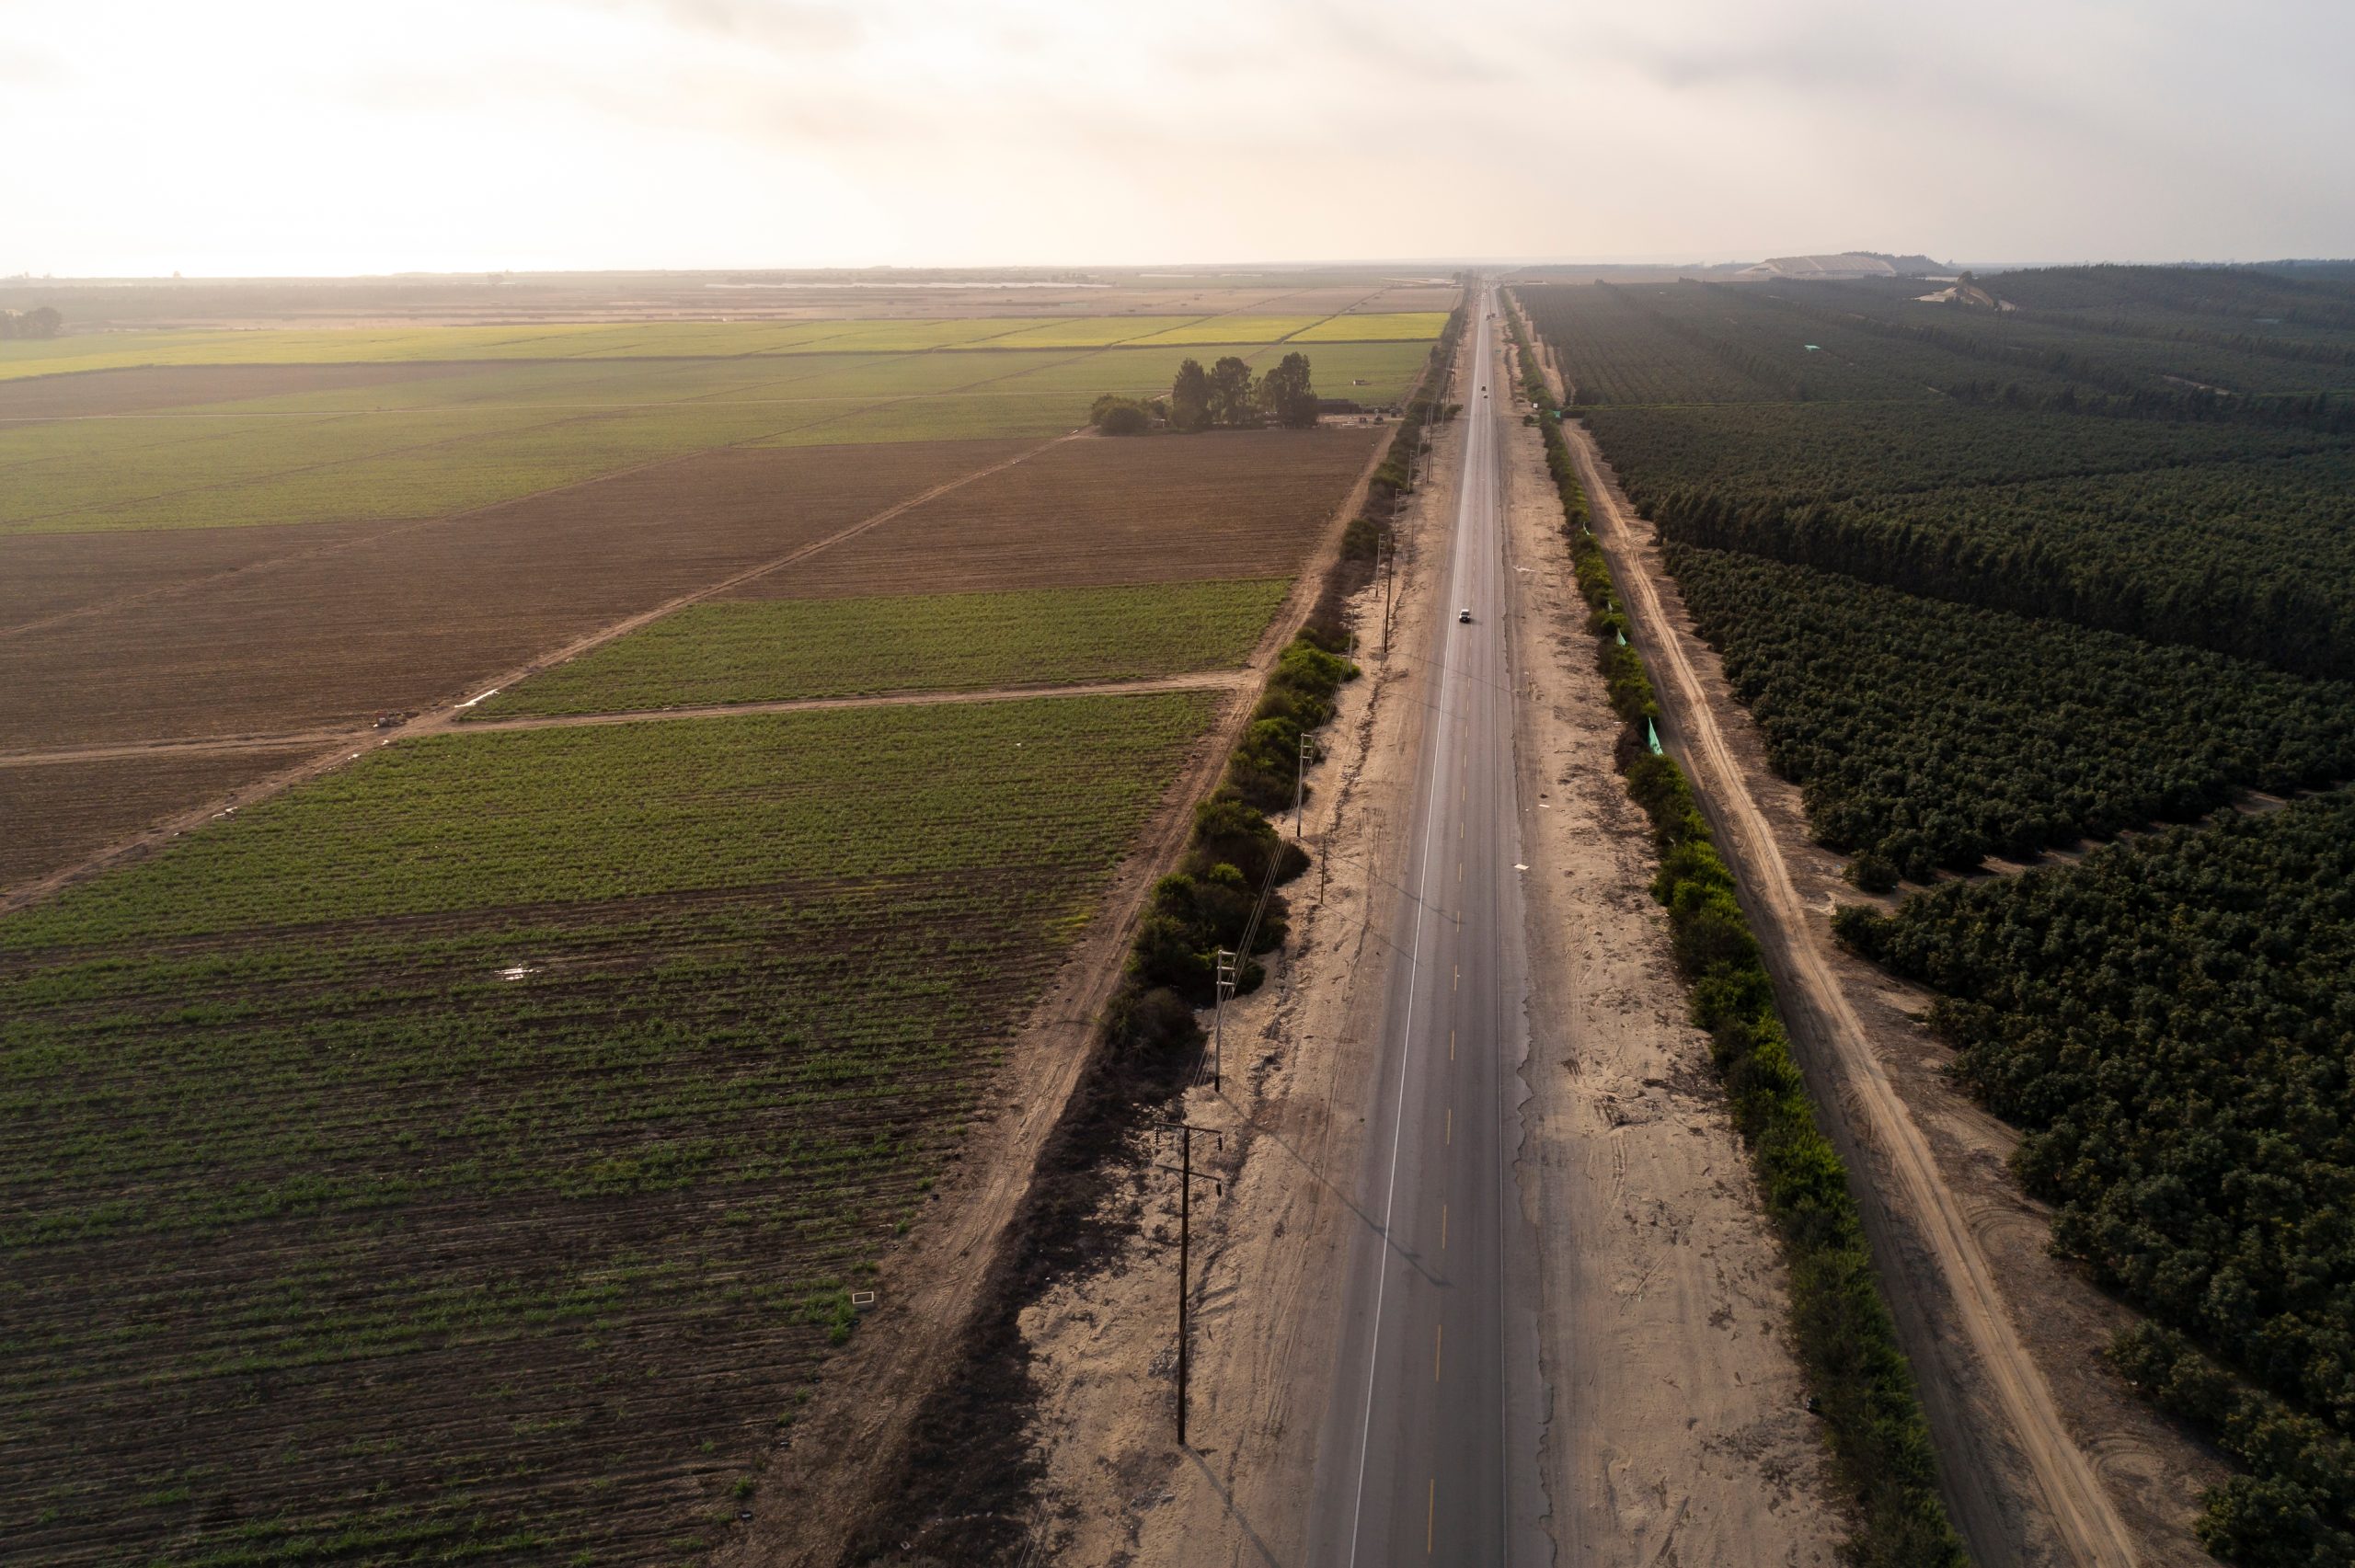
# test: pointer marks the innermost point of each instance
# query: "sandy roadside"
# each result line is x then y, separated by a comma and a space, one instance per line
1267, 1254
2046, 1455
1679, 1433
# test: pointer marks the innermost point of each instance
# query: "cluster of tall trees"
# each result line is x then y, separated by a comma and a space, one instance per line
41, 321
1924, 734
1228, 394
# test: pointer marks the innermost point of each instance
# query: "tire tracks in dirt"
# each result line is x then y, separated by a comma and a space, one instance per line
233, 745
2077, 1508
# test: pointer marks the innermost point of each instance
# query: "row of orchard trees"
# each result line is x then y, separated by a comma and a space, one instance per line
1227, 394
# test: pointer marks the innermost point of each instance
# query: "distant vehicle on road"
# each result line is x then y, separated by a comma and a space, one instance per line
1465, 615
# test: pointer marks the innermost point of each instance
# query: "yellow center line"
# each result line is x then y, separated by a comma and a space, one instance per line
1451, 1124
1451, 1044
1431, 1517
1442, 1227
1438, 1337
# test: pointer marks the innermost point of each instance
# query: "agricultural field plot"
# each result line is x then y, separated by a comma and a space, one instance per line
772, 650
409, 616
2167, 1019
57, 812
1928, 734
1416, 326
471, 441
104, 393
1147, 509
421, 447
2169, 1022
478, 1145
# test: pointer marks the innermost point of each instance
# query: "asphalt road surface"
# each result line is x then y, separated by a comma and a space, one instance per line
1428, 1452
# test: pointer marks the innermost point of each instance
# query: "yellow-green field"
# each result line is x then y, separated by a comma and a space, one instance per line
686, 340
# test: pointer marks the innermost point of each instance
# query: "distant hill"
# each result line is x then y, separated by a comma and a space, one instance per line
1849, 264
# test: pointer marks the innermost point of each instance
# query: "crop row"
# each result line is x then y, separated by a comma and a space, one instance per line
2169, 1021
762, 650
1925, 734
477, 1146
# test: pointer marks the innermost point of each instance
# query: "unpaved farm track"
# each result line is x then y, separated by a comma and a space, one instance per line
2079, 1511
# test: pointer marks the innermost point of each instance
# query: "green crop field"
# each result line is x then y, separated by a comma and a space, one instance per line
477, 436
688, 339
1415, 327
767, 650
478, 1145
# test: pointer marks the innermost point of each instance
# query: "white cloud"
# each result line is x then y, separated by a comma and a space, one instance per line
269, 135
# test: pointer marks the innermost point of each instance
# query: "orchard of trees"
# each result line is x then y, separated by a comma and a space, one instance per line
1923, 733
1989, 578
2170, 1023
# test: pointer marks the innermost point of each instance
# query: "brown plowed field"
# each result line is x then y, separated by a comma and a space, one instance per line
47, 575
396, 621
1155, 509
132, 392
55, 812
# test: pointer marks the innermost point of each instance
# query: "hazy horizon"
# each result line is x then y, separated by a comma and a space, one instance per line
261, 139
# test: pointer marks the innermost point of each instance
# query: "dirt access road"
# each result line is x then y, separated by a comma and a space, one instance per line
1669, 1426
2020, 1485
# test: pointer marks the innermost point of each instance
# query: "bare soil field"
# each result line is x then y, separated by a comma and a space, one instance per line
1153, 508
43, 575
57, 812
404, 618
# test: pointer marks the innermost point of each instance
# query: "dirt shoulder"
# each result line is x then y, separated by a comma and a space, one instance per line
1268, 1255
842, 1449
2045, 1457
1679, 1431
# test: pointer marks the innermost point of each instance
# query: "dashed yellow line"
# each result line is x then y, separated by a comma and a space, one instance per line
1431, 1517
1439, 1340
1451, 1124
1442, 1227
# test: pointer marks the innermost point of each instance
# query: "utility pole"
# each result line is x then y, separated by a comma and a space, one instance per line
1300, 780
1185, 1179
1230, 966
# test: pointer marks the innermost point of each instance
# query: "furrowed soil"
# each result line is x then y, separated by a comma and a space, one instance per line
2045, 1455
402, 618
1147, 508
55, 812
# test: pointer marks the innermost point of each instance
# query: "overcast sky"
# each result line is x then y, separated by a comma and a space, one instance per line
333, 136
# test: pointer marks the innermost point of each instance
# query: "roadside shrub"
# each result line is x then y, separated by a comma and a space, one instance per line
1120, 415
1846, 1338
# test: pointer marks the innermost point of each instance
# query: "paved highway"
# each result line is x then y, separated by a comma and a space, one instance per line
1429, 1452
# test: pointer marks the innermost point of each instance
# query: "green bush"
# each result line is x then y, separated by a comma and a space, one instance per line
1846, 1338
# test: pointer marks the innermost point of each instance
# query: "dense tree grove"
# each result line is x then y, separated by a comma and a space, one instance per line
2170, 1020
1991, 568
1227, 394
1927, 734
41, 321
2125, 474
